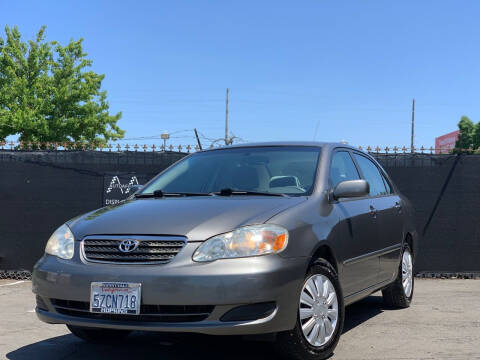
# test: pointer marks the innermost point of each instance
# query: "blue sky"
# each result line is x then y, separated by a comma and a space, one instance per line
352, 67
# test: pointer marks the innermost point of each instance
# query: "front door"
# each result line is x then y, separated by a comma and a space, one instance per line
357, 230
387, 208
358, 241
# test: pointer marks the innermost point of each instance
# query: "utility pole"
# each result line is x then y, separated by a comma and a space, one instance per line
227, 140
413, 127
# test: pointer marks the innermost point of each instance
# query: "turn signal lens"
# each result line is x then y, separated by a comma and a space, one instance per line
246, 241
280, 242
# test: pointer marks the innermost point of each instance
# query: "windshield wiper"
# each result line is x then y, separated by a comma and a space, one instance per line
160, 194
230, 192
223, 192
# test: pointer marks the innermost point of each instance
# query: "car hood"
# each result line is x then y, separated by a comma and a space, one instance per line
197, 218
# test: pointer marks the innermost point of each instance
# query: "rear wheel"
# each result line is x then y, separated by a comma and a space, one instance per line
97, 335
400, 293
319, 319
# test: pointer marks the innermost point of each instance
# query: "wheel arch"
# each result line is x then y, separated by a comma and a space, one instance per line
324, 251
409, 240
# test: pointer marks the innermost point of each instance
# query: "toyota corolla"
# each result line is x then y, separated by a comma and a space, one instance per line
273, 238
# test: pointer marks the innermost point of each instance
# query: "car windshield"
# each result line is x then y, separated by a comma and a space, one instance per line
277, 170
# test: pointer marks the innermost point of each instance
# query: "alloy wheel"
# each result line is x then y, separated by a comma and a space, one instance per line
318, 310
407, 273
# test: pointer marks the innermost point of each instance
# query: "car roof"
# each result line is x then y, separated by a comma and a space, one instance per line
286, 143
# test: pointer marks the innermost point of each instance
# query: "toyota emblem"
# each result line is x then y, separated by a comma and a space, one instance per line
128, 245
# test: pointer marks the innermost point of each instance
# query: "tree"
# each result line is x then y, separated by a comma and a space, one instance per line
465, 137
48, 95
476, 136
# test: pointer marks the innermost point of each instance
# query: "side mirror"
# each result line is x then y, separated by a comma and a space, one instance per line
135, 188
351, 188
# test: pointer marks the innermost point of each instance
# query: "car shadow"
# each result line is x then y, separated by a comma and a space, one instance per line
361, 311
148, 345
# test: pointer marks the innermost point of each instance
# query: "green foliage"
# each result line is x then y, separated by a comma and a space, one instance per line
476, 136
465, 137
48, 95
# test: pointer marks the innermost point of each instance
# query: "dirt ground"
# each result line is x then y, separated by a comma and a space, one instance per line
442, 323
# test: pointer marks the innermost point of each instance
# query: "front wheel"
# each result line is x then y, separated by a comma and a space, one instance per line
97, 335
320, 316
400, 293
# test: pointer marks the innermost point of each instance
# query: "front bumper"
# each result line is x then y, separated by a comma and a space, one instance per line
224, 284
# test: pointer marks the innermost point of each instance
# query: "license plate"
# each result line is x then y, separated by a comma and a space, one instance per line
115, 298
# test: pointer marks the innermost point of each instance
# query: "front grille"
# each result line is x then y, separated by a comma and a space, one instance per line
151, 250
148, 313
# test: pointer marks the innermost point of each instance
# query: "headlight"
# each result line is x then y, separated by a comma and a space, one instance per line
246, 241
61, 243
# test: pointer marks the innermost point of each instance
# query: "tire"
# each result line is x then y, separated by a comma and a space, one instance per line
294, 344
398, 295
98, 335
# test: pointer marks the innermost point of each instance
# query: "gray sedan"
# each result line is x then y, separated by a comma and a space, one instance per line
272, 238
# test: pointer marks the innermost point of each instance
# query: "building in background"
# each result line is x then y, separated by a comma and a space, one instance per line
445, 143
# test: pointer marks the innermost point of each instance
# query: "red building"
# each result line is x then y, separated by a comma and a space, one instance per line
445, 143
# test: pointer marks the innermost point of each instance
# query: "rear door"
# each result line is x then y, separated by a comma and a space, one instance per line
357, 230
390, 221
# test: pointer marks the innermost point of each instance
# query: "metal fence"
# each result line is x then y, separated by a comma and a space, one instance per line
118, 147
40, 189
445, 192
83, 146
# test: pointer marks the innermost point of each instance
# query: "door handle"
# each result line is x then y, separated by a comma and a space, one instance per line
373, 211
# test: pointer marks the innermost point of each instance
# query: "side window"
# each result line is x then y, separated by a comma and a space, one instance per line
342, 168
387, 185
372, 175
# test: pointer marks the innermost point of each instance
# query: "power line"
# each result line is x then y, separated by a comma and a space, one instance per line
155, 136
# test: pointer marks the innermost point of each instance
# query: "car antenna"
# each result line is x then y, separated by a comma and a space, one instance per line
198, 139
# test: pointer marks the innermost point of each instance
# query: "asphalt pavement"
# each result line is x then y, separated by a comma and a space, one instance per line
442, 323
